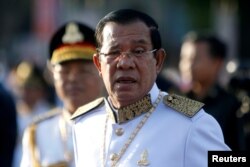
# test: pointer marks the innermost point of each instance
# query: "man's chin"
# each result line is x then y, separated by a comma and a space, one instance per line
126, 86
126, 98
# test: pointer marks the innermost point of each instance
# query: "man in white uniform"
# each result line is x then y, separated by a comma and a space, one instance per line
137, 124
48, 141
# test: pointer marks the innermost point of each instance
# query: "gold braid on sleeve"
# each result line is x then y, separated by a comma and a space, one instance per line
32, 145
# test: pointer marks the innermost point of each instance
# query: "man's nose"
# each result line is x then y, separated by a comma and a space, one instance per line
126, 61
72, 75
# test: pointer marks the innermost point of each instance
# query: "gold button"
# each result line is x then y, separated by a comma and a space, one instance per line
170, 98
119, 131
113, 156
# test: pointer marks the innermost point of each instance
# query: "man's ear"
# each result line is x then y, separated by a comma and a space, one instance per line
160, 58
97, 63
49, 66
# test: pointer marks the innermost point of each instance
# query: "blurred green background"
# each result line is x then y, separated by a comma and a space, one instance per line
27, 25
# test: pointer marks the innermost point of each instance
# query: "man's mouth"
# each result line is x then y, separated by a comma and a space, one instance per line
125, 80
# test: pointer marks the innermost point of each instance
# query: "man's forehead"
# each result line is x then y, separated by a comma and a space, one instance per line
136, 32
133, 28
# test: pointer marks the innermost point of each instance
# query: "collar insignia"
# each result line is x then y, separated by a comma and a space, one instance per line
131, 111
182, 104
72, 34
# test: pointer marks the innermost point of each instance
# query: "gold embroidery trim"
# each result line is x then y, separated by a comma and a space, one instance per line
32, 145
72, 52
129, 112
115, 157
182, 104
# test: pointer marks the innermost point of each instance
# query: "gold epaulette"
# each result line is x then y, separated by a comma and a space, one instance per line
182, 104
47, 115
88, 107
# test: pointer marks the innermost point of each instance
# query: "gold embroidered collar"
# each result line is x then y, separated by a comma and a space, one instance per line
131, 111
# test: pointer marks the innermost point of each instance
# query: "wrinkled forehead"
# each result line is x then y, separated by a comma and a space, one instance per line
121, 34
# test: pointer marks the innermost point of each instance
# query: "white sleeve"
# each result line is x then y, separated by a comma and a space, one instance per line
204, 135
74, 144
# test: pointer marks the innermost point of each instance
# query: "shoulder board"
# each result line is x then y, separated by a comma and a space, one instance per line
88, 107
182, 104
47, 115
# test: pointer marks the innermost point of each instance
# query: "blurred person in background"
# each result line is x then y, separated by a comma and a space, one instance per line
239, 84
201, 60
31, 91
48, 141
168, 80
8, 127
186, 56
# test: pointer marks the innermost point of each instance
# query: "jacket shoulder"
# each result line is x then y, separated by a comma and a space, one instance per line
45, 116
182, 104
88, 107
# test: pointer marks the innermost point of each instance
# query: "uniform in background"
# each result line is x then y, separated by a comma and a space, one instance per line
48, 141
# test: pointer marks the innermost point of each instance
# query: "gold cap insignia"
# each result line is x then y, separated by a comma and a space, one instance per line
182, 104
72, 34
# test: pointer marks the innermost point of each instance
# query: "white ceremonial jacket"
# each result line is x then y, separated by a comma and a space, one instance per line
43, 142
167, 139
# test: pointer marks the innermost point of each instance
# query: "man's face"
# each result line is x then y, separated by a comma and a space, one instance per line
204, 67
127, 78
77, 83
186, 59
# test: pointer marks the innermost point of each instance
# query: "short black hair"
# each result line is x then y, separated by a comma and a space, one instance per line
126, 16
217, 48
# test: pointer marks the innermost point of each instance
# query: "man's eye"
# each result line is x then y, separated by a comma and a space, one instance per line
138, 52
